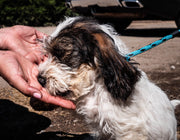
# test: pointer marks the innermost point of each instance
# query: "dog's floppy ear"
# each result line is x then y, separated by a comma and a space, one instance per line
119, 75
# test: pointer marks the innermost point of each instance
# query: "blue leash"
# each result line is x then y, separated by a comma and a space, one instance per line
152, 45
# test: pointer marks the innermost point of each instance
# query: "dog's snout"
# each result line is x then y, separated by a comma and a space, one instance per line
42, 80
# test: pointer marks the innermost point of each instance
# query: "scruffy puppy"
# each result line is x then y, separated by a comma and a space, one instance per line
86, 63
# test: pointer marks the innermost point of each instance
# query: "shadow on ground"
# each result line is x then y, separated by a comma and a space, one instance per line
17, 123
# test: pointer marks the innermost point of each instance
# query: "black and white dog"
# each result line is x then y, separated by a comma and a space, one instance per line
86, 63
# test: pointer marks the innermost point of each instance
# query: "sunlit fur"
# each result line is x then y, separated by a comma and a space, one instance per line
86, 64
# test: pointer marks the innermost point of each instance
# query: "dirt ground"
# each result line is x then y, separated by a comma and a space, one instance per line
19, 120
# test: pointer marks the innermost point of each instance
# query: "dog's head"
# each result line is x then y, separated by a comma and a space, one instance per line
81, 52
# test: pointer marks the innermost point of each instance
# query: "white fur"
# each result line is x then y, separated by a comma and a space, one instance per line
62, 25
149, 115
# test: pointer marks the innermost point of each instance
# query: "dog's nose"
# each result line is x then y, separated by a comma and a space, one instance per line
42, 80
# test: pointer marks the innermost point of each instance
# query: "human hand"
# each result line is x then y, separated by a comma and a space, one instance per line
22, 74
23, 40
22, 54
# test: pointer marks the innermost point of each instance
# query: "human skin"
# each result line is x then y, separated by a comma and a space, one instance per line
20, 54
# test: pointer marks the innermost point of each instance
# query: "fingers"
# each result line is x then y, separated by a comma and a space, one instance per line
33, 88
22, 74
42, 95
46, 97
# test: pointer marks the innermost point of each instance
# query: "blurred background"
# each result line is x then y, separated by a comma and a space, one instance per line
120, 13
32, 12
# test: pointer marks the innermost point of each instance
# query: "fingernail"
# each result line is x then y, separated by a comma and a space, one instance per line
37, 95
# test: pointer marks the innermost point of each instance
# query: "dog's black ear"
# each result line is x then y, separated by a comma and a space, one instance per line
119, 75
